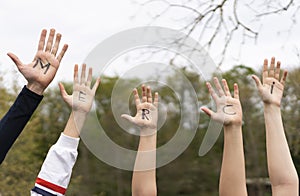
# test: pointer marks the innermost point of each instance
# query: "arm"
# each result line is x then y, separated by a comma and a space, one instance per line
14, 121
229, 112
56, 170
144, 174
282, 172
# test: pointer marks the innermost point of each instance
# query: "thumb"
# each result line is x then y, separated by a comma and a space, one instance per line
128, 117
257, 81
63, 92
15, 59
207, 111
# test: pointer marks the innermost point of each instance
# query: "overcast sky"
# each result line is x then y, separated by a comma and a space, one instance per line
84, 24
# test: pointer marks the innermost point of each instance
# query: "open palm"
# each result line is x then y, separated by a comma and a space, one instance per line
271, 90
83, 95
229, 110
147, 109
41, 71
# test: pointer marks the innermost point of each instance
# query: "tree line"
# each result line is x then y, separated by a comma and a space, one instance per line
188, 174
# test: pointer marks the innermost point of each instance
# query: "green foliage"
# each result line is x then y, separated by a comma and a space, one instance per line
188, 174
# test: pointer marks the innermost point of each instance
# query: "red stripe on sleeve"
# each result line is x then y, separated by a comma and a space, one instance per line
51, 186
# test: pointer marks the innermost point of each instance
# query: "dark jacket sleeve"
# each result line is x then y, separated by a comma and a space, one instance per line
14, 121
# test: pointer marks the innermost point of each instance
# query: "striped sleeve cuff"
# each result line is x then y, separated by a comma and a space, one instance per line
56, 170
47, 188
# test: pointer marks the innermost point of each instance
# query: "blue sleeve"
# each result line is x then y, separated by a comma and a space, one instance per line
14, 121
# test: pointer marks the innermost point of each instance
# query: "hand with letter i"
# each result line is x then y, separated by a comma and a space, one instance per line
283, 175
272, 86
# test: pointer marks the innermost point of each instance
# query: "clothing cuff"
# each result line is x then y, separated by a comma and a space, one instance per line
67, 141
32, 94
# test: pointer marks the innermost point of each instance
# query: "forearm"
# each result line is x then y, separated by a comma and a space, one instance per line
75, 124
14, 121
144, 174
280, 165
233, 177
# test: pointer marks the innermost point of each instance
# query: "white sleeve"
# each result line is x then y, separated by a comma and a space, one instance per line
56, 170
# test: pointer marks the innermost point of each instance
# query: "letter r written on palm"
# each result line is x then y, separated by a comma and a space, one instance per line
147, 110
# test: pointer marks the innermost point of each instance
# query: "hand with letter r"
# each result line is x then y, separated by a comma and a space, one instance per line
147, 110
144, 171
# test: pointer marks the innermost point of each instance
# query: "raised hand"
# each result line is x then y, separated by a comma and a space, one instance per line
229, 110
271, 90
83, 95
40, 72
147, 109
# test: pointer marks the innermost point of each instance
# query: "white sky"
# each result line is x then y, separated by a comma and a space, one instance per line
84, 24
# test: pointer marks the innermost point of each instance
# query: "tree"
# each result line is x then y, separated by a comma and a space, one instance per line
218, 23
188, 174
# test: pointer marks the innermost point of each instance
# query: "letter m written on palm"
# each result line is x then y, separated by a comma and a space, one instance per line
38, 61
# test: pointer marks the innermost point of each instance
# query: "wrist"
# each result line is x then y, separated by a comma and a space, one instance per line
273, 103
80, 113
38, 89
148, 132
233, 126
79, 117
271, 108
232, 130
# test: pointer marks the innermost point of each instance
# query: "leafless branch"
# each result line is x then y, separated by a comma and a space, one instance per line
213, 20
277, 11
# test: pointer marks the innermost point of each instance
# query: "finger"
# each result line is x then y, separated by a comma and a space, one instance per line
212, 91
277, 70
63, 92
82, 77
128, 117
89, 79
236, 91
136, 97
149, 95
156, 99
144, 94
226, 89
42, 40
283, 78
15, 59
75, 74
207, 111
56, 44
50, 40
272, 67
265, 71
62, 53
257, 81
95, 87
218, 87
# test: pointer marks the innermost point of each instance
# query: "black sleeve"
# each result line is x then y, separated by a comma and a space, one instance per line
14, 121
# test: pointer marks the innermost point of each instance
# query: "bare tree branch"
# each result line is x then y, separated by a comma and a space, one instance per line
277, 11
212, 20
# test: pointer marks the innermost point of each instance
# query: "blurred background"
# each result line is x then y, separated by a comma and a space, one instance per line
237, 34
